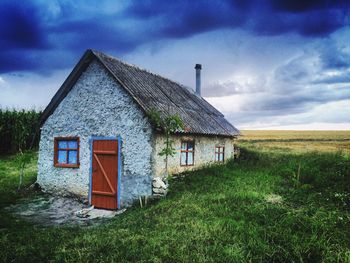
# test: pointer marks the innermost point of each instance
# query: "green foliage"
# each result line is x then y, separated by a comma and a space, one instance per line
216, 214
168, 149
19, 130
169, 125
155, 118
23, 159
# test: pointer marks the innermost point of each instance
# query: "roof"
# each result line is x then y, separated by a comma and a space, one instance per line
152, 91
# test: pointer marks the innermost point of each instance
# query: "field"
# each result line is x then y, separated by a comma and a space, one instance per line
274, 204
297, 141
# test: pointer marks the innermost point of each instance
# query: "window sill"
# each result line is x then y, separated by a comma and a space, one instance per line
66, 165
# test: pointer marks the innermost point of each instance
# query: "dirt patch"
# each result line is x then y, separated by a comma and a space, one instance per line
50, 210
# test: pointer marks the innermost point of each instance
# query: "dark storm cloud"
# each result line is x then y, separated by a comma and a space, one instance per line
20, 30
183, 18
20, 26
93, 32
28, 28
303, 6
16, 61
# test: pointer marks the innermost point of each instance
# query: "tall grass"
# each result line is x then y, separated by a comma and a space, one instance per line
217, 214
18, 127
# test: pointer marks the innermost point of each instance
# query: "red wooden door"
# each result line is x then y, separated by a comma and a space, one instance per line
104, 174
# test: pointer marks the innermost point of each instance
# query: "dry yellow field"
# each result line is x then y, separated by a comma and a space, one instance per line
300, 141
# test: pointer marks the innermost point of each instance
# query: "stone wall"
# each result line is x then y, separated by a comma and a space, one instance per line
204, 152
98, 106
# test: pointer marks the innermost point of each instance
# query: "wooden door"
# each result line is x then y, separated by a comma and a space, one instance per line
104, 174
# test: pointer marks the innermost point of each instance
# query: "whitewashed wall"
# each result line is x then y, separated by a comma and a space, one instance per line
204, 152
97, 106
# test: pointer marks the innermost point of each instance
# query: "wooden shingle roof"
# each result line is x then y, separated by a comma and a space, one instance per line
151, 91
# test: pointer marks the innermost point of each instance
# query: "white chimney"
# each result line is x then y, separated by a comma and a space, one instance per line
198, 68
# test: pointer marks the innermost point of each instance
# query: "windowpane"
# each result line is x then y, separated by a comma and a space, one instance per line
72, 157
190, 158
72, 144
183, 158
66, 154
216, 157
221, 157
62, 144
186, 155
62, 157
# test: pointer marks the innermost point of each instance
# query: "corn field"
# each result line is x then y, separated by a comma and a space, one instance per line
19, 130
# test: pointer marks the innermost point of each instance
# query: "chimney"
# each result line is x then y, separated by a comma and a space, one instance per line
198, 68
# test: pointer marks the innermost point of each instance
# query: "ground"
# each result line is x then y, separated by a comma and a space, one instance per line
273, 204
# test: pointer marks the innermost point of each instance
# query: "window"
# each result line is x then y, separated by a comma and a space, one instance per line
187, 152
219, 153
66, 152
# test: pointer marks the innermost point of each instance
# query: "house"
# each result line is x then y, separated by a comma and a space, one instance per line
97, 141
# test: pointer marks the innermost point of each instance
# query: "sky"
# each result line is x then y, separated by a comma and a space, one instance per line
267, 64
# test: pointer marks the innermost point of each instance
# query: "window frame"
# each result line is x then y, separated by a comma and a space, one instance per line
218, 153
187, 151
56, 149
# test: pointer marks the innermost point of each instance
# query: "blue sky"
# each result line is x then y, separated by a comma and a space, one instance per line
266, 63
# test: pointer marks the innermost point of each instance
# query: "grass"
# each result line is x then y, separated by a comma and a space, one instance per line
9, 176
216, 214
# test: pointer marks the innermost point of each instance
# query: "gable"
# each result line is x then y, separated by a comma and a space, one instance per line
95, 104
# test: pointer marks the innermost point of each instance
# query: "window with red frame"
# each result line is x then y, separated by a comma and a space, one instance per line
66, 152
219, 153
187, 153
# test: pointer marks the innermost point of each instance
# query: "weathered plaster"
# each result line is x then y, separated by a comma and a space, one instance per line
98, 106
204, 152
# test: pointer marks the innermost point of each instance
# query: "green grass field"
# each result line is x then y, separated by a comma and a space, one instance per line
258, 208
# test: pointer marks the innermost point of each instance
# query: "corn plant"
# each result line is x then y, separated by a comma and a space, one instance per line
18, 133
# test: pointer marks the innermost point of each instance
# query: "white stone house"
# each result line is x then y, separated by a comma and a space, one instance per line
98, 143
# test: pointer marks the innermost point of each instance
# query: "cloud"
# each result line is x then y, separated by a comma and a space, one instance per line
21, 30
335, 78
114, 37
304, 6
333, 56
262, 18
37, 27
317, 75
21, 26
239, 84
263, 60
